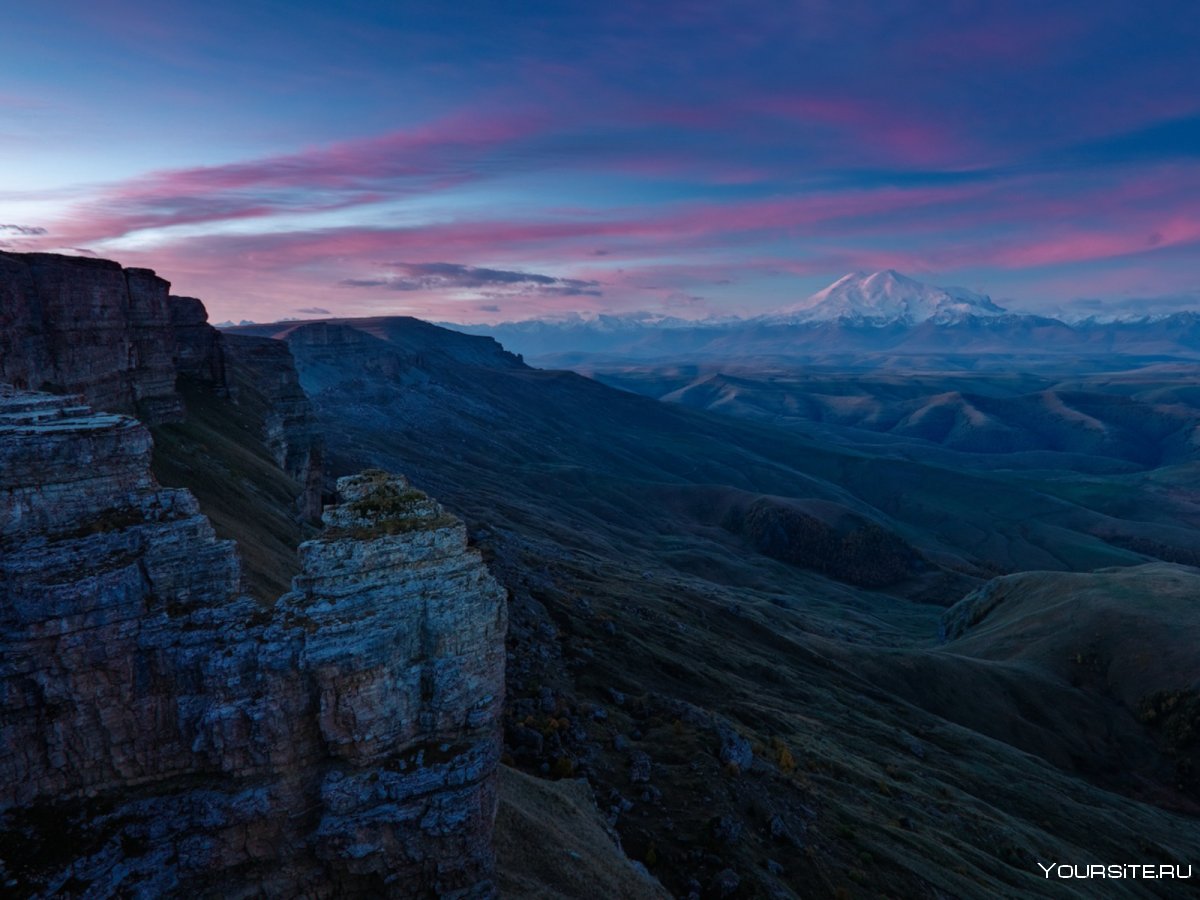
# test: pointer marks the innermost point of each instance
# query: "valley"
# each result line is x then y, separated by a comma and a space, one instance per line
747, 629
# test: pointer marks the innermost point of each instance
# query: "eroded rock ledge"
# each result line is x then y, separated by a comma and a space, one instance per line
162, 734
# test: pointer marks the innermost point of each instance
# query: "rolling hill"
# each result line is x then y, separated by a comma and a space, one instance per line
731, 628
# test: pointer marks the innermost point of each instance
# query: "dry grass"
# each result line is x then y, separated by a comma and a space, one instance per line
218, 453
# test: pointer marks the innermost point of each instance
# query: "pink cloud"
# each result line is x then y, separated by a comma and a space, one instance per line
268, 270
1070, 246
636, 232
430, 157
670, 253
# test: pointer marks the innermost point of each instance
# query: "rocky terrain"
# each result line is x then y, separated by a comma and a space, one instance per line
289, 429
343, 743
164, 730
88, 326
733, 630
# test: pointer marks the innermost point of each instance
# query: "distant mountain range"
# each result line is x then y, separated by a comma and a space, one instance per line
879, 315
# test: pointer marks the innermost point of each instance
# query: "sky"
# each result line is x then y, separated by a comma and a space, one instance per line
478, 162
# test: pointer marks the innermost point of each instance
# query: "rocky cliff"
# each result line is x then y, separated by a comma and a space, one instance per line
198, 348
289, 428
75, 324
229, 419
163, 734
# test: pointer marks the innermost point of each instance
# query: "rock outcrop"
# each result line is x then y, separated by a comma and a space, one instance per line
289, 427
162, 734
80, 325
199, 351
406, 651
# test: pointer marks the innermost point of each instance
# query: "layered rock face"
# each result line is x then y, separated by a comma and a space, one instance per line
88, 326
199, 353
161, 734
406, 651
71, 324
290, 428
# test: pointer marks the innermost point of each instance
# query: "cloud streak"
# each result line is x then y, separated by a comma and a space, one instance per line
723, 156
426, 159
442, 276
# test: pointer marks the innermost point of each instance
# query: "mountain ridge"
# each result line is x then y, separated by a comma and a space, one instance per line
862, 319
883, 296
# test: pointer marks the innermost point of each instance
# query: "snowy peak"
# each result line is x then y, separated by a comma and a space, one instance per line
885, 298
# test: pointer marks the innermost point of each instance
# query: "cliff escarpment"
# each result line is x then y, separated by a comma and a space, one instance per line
163, 733
289, 428
229, 419
248, 440
80, 325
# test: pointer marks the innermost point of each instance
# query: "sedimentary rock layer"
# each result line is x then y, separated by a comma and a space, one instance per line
75, 324
161, 734
72, 324
290, 429
199, 353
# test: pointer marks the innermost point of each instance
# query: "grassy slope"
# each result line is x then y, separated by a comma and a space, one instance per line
551, 840
562, 481
218, 454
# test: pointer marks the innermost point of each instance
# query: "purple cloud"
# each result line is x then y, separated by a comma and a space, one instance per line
441, 276
433, 157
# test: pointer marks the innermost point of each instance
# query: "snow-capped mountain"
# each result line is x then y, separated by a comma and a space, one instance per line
600, 322
860, 315
886, 298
